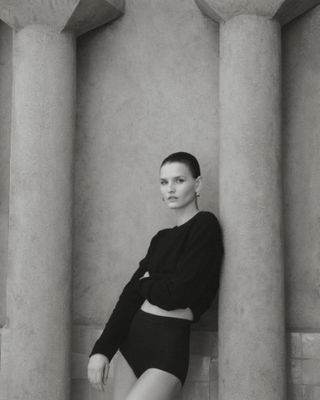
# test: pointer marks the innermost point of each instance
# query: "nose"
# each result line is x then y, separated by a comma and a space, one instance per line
171, 187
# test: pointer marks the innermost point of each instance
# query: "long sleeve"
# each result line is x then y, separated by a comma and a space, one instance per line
198, 267
119, 322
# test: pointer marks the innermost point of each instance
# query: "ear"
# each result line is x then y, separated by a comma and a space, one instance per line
198, 184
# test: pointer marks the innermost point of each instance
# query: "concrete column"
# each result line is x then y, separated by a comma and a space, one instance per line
251, 315
36, 358
35, 348
252, 359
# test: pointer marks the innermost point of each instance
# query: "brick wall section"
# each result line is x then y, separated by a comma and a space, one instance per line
304, 376
201, 383
0, 347
202, 380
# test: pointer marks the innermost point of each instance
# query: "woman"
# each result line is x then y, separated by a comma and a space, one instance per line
174, 285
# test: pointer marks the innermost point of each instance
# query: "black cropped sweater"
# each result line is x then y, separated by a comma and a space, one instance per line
184, 264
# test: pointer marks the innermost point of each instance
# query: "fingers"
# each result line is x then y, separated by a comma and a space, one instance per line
96, 378
105, 374
98, 368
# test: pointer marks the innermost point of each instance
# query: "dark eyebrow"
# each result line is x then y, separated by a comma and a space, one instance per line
175, 177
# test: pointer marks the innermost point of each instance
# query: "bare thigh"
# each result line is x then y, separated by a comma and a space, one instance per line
155, 384
124, 378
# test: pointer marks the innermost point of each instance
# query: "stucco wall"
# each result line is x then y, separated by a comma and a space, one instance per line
301, 142
147, 87
5, 123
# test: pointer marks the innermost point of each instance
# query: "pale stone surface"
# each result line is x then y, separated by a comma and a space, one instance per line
78, 16
201, 344
4, 339
90, 14
315, 393
251, 315
199, 368
79, 363
82, 338
214, 380
19, 14
295, 375
204, 343
295, 344
5, 125
311, 345
290, 10
296, 392
140, 97
227, 9
39, 272
304, 392
215, 345
301, 161
196, 390
311, 372
80, 390
282, 10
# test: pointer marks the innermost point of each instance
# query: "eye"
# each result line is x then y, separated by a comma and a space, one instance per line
163, 182
180, 180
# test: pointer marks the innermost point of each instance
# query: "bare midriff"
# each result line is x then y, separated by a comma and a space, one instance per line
184, 313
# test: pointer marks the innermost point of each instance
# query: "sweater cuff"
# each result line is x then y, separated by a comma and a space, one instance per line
99, 348
144, 286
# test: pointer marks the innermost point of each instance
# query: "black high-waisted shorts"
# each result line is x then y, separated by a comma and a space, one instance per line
155, 341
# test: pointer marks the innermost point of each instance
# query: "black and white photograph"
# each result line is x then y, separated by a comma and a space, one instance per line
160, 200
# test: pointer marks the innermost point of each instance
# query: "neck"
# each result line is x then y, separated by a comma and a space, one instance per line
183, 215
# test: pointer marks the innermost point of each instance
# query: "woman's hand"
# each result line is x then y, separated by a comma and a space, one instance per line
98, 368
146, 275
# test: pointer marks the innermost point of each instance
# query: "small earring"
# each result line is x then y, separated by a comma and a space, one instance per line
197, 194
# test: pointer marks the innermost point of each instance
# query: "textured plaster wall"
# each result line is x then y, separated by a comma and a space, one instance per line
301, 137
5, 123
147, 87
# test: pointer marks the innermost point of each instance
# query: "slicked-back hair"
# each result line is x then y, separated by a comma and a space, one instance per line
186, 158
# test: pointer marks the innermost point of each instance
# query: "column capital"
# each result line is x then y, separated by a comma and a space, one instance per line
77, 16
282, 10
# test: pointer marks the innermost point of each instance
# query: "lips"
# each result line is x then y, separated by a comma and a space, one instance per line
172, 198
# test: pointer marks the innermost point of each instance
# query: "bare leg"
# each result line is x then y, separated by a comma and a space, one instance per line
155, 384
124, 378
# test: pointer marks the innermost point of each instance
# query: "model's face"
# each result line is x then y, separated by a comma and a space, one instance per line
177, 185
